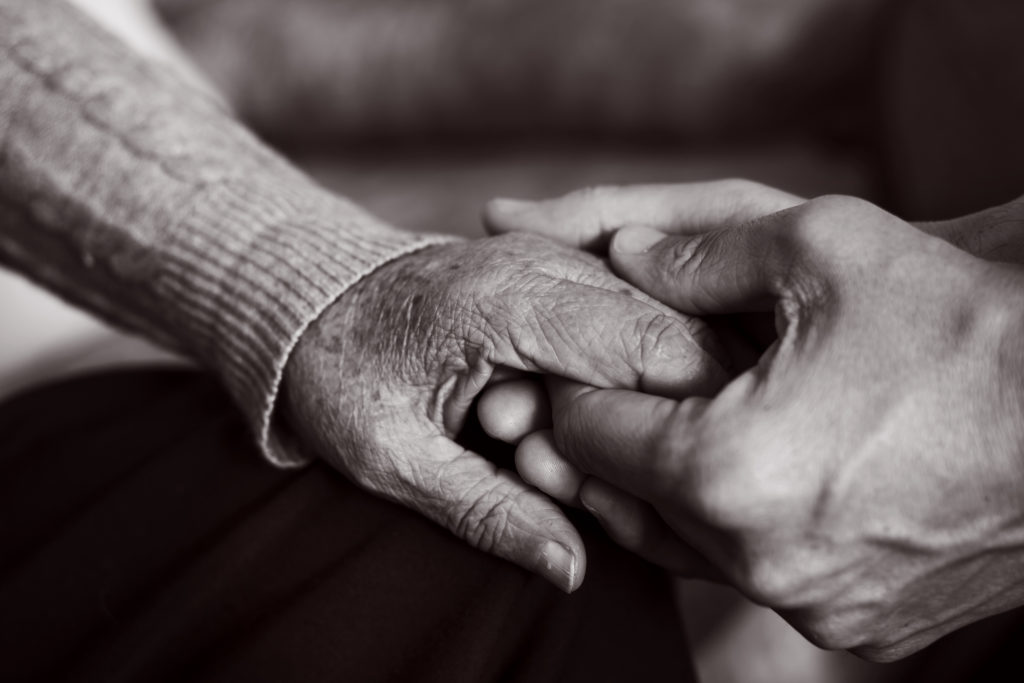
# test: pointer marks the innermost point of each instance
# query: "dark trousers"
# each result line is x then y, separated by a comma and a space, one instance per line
143, 539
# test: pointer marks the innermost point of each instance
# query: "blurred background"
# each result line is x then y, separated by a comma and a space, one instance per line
421, 110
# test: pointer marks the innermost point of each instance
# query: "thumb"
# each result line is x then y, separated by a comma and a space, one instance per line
724, 271
587, 218
495, 511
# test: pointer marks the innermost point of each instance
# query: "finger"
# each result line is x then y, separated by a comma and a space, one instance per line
610, 339
540, 464
640, 442
637, 527
744, 269
587, 218
630, 522
495, 511
510, 410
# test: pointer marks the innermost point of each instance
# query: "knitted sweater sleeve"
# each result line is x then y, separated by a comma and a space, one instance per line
131, 194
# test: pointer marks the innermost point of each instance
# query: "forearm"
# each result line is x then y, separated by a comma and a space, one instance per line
128, 192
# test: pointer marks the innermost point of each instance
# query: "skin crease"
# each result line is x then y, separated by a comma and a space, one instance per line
864, 478
381, 383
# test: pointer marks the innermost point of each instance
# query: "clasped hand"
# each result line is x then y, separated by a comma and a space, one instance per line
865, 475
381, 384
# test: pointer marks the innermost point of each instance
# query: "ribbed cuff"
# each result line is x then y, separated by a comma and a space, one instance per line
259, 266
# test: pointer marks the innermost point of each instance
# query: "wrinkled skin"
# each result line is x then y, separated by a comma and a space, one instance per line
866, 477
383, 381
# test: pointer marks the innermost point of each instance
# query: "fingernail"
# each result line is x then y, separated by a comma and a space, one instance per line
559, 566
510, 206
636, 240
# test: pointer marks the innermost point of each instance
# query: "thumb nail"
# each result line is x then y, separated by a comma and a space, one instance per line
636, 240
559, 566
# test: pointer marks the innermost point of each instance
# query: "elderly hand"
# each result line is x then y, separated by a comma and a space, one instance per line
865, 479
383, 381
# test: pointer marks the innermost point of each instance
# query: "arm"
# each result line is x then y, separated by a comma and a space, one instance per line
136, 196
130, 193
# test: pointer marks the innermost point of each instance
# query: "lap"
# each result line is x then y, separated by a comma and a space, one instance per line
144, 539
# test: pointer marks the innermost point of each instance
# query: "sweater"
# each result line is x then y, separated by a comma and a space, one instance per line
130, 193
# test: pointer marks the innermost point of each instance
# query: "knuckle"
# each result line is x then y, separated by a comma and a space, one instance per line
655, 329
669, 346
515, 251
652, 336
770, 582
820, 224
592, 202
833, 204
812, 230
833, 632
482, 518
815, 245
526, 262
687, 256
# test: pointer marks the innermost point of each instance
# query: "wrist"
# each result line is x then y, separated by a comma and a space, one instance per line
283, 256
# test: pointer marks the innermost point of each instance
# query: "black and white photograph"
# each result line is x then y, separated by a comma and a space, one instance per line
511, 341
